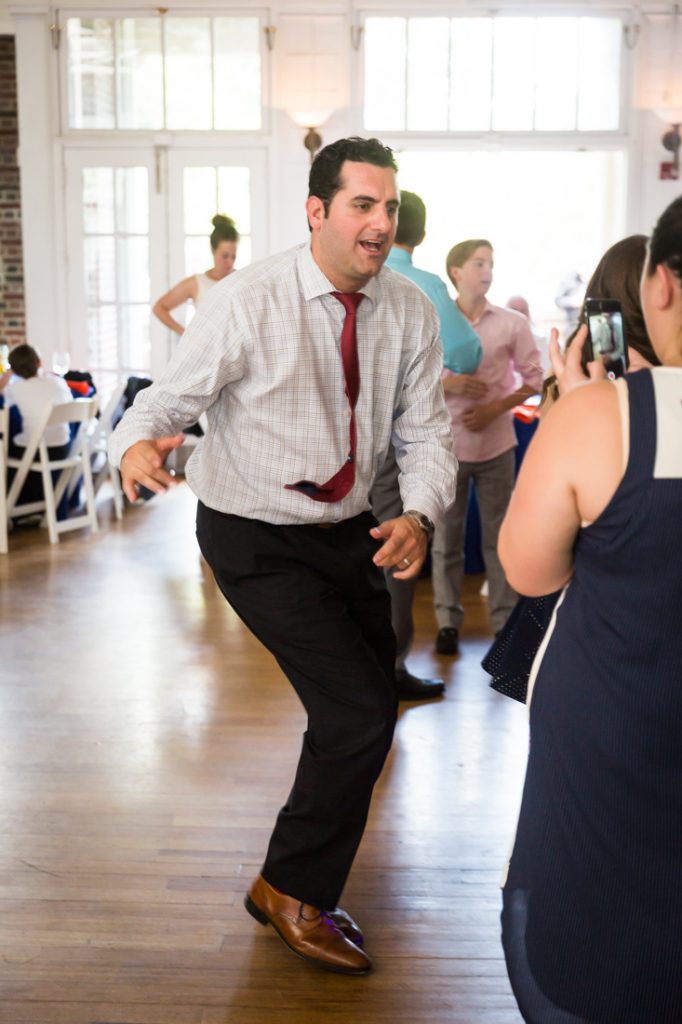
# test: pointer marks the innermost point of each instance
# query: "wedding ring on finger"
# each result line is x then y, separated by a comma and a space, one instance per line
406, 562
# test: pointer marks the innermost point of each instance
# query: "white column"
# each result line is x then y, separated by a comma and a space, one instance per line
36, 91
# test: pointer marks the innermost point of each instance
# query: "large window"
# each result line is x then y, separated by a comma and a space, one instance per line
169, 72
549, 214
503, 74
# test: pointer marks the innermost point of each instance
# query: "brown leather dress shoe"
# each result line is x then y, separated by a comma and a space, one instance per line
307, 931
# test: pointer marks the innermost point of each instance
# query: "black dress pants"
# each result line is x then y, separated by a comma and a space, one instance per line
316, 600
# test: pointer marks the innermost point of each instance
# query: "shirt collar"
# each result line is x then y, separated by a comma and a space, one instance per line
314, 283
488, 308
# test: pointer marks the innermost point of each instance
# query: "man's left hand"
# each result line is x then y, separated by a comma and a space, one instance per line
404, 547
480, 416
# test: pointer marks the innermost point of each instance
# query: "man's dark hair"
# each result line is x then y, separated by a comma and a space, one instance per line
24, 361
411, 219
325, 173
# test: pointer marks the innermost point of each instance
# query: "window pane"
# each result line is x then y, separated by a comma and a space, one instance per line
188, 73
200, 199
385, 70
102, 337
133, 269
98, 200
135, 347
198, 257
90, 72
556, 87
599, 75
132, 200
470, 74
139, 73
234, 196
237, 73
100, 276
514, 73
427, 90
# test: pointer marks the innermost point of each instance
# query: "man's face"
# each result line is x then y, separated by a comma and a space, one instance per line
351, 243
474, 277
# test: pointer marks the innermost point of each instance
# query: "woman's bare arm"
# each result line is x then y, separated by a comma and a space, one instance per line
568, 476
179, 294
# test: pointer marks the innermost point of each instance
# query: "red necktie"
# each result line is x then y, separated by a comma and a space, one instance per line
341, 483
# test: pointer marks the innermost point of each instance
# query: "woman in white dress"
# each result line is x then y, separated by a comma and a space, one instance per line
224, 240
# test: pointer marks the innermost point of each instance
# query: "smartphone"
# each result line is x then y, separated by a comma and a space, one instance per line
605, 337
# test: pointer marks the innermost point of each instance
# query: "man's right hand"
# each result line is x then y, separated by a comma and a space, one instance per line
143, 463
465, 385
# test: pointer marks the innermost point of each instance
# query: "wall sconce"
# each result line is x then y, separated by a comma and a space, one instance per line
313, 142
672, 141
312, 120
312, 77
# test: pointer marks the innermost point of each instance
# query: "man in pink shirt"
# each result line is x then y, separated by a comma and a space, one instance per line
480, 405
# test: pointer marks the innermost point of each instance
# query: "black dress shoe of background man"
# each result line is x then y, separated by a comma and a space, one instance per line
307, 931
412, 688
447, 641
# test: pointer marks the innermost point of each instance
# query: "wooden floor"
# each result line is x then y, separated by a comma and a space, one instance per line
146, 743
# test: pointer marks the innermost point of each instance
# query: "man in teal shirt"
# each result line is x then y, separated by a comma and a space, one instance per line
461, 347
462, 354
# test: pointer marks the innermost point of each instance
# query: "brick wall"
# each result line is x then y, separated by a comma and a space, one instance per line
12, 310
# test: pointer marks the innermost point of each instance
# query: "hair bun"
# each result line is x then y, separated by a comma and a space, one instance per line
222, 221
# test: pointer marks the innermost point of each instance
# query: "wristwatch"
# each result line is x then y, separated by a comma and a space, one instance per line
421, 520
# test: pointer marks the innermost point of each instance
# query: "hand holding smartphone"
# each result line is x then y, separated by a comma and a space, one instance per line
605, 338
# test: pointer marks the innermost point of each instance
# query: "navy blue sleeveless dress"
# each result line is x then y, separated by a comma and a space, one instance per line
597, 859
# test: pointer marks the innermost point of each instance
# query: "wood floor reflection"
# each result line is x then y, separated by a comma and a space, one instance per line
146, 743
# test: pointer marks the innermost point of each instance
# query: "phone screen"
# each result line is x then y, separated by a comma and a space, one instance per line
608, 340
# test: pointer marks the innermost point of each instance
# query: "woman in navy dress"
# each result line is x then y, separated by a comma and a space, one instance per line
592, 917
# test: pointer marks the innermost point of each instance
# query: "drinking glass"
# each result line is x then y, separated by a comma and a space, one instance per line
61, 361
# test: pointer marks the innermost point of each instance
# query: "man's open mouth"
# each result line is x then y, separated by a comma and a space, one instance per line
371, 246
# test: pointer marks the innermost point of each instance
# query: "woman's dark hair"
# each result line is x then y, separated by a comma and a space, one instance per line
325, 173
24, 361
224, 230
617, 276
666, 240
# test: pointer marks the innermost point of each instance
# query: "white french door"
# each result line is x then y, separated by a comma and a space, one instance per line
138, 221
114, 221
202, 183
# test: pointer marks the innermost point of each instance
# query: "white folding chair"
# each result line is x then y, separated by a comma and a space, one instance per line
4, 434
98, 440
36, 459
